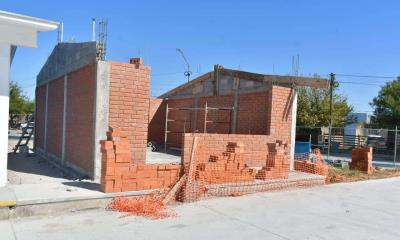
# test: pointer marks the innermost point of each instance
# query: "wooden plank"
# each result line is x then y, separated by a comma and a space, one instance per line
188, 195
170, 196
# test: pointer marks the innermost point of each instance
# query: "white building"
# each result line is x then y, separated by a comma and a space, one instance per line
15, 31
357, 117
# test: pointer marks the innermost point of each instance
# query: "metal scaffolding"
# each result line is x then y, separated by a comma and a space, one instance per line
206, 109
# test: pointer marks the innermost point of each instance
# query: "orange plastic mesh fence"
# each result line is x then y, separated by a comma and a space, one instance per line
302, 156
227, 174
208, 173
313, 164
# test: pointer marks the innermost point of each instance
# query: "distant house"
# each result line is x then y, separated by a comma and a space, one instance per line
357, 117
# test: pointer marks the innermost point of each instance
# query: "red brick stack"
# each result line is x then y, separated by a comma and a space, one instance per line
277, 165
229, 167
361, 159
309, 167
119, 174
317, 167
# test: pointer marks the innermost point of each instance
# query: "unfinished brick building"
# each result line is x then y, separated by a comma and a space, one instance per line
79, 96
227, 101
244, 122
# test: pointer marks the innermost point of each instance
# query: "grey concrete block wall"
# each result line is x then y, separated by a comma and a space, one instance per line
65, 58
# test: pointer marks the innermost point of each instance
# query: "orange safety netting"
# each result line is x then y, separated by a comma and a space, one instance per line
228, 174
150, 206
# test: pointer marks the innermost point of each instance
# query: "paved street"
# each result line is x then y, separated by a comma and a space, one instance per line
364, 210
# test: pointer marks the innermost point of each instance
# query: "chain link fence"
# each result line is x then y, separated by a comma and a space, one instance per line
385, 142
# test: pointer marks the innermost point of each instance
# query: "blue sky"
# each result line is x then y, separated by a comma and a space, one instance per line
350, 37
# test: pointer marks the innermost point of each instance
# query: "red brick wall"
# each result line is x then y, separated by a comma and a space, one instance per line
55, 114
156, 120
182, 121
255, 147
40, 116
280, 113
219, 120
129, 104
119, 174
261, 113
154, 106
80, 114
253, 111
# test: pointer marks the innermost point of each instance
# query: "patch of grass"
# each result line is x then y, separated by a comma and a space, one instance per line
337, 174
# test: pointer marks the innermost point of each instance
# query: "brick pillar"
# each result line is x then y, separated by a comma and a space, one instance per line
280, 113
129, 103
280, 116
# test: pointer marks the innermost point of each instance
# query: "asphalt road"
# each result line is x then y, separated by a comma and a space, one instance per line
363, 210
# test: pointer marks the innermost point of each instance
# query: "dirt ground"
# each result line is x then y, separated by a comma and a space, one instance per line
344, 174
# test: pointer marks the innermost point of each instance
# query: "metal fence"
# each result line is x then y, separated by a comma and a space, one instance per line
385, 142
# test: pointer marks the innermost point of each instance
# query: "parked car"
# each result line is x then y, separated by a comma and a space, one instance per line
377, 142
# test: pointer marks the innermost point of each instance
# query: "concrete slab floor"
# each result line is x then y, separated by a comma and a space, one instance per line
171, 156
23, 169
33, 180
29, 169
361, 210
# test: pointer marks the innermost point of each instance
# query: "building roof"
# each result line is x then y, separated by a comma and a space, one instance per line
37, 23
287, 81
20, 30
66, 57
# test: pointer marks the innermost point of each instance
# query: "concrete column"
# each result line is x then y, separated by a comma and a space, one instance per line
64, 127
234, 112
45, 118
293, 129
101, 113
5, 55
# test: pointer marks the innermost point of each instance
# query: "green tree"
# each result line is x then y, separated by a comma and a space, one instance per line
387, 105
19, 103
313, 108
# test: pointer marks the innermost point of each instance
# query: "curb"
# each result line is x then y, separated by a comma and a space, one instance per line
31, 208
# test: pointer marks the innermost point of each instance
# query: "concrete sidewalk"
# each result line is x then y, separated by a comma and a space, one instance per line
362, 210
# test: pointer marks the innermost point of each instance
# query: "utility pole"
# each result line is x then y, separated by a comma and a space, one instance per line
331, 86
395, 148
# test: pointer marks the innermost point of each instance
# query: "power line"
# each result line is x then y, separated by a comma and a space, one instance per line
365, 76
165, 74
362, 83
